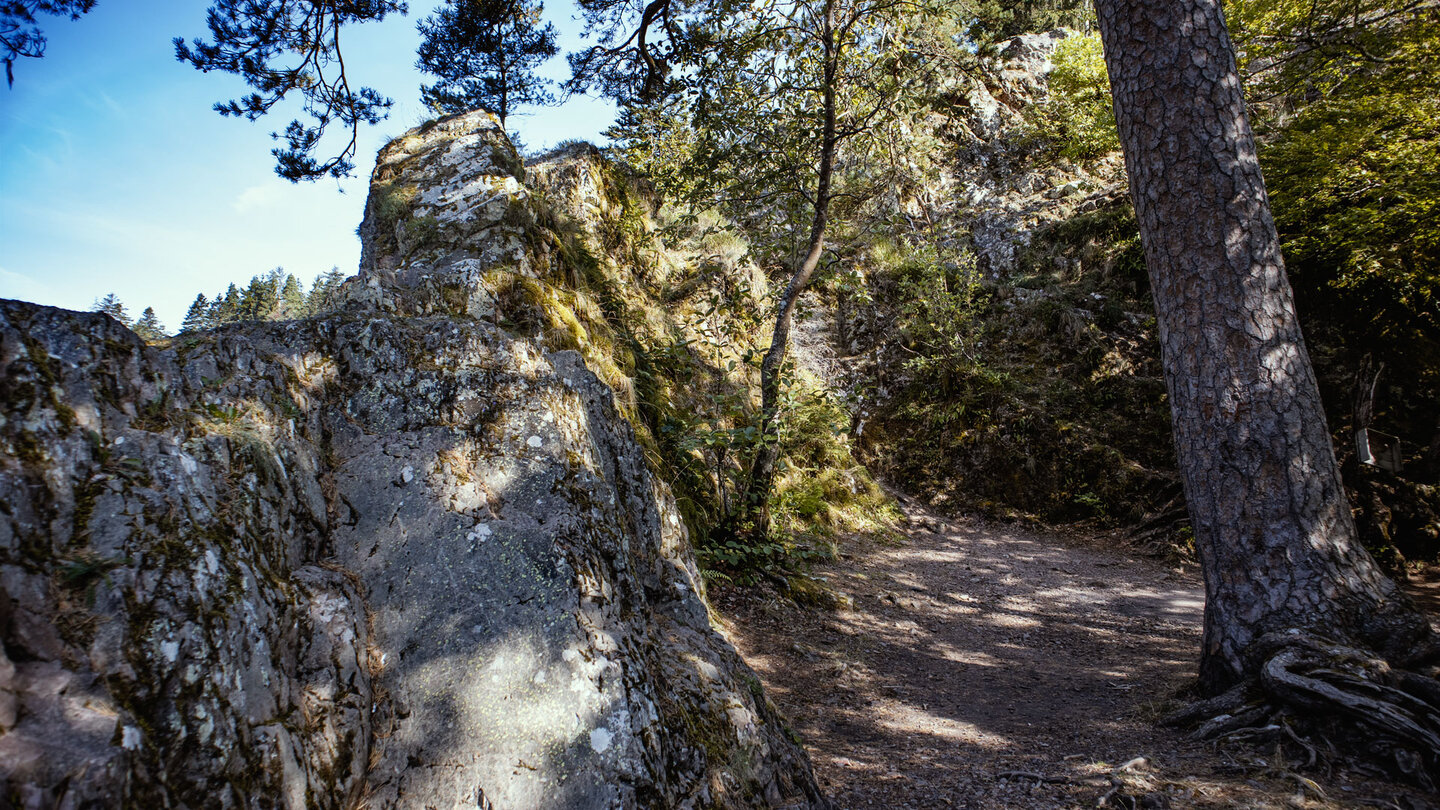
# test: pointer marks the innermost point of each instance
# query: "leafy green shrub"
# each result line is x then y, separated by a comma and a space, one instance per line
822, 489
1345, 96
1078, 119
937, 311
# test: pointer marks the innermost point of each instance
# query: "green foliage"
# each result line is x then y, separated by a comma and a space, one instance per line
1100, 249
274, 296
994, 20
260, 300
747, 561
1346, 98
658, 141
742, 127
821, 492
937, 310
1077, 121
1040, 398
111, 305
324, 292
778, 97
690, 346
292, 297
197, 317
422, 232
392, 204
148, 326
1358, 197
485, 53
822, 489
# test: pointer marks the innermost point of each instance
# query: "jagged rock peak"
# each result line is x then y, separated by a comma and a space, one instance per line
395, 556
453, 209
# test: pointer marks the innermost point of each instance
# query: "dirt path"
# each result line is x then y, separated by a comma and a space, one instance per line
974, 654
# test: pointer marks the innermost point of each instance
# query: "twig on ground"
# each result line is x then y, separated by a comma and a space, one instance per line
1038, 777
1104, 801
1308, 785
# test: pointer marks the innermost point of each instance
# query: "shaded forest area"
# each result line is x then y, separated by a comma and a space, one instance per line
989, 279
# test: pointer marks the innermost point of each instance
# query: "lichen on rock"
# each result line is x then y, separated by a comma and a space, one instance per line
399, 555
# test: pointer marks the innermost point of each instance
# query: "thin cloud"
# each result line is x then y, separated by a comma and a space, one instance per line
24, 288
257, 198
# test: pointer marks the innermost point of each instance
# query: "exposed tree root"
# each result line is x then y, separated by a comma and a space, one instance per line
1311, 693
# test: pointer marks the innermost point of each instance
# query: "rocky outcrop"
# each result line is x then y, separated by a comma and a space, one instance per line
398, 556
1004, 197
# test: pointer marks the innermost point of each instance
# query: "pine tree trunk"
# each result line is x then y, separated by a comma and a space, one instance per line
1276, 540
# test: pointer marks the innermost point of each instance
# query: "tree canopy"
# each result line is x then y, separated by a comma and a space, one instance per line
148, 325
1347, 103
1078, 119
112, 306
280, 47
20, 33
484, 53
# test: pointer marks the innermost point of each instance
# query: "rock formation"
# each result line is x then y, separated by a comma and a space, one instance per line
396, 556
1005, 197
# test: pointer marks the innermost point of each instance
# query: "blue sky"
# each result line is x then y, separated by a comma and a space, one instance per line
117, 176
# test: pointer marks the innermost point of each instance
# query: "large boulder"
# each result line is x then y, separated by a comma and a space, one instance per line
398, 555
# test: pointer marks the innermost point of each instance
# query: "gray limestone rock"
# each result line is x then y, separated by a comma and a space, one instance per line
394, 556
997, 194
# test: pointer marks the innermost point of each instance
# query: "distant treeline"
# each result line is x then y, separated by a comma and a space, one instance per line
274, 296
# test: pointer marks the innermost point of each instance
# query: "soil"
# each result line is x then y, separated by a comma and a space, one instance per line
987, 666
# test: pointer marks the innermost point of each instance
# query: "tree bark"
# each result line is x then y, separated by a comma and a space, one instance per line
1277, 544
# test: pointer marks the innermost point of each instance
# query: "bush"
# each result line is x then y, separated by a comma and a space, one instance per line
1077, 121
937, 312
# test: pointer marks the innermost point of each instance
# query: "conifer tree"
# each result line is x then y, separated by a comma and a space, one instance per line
292, 298
323, 291
148, 327
261, 296
484, 53
197, 317
226, 307
110, 305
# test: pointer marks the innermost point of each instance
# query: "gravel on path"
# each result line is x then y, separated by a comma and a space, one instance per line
984, 666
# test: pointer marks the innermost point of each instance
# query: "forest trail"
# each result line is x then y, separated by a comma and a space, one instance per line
988, 666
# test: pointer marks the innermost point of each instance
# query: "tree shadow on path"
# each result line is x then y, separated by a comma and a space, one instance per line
975, 653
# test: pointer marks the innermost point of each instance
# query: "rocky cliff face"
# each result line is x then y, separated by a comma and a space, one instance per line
397, 556
1005, 198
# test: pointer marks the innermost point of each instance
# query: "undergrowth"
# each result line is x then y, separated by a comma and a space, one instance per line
668, 311
1039, 397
